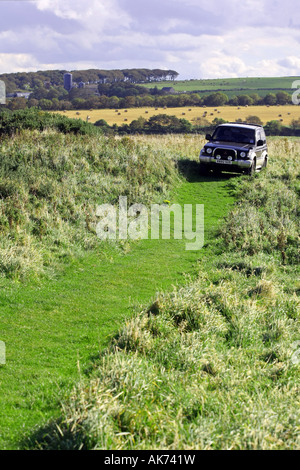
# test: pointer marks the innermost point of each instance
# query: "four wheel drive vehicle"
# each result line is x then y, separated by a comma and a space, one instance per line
235, 147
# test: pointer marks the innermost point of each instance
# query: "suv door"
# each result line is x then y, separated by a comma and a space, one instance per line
259, 149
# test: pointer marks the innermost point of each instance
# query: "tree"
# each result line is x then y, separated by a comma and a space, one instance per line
78, 103
163, 124
128, 102
283, 98
256, 98
114, 102
101, 123
45, 104
218, 121
254, 120
195, 99
64, 104
233, 101
138, 125
32, 103
17, 103
270, 99
274, 128
216, 99
245, 100
40, 93
295, 124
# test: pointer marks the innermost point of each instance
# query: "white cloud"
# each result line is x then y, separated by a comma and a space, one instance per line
96, 15
17, 63
207, 38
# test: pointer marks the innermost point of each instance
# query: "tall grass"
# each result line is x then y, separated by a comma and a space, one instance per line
51, 184
209, 365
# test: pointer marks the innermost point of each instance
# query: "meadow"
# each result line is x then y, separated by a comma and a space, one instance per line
142, 344
284, 114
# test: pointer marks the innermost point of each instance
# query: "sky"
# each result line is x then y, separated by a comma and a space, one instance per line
196, 38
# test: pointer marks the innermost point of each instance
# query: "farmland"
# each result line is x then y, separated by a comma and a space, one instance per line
258, 85
228, 113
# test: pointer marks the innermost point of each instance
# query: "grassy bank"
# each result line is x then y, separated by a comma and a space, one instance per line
212, 364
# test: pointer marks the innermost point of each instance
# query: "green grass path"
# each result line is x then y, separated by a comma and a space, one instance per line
52, 330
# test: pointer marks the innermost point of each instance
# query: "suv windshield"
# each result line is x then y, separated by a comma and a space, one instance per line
234, 134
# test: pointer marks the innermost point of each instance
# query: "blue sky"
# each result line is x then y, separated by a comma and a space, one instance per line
197, 38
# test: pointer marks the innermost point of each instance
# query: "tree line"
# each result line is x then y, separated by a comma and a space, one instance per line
33, 80
121, 96
168, 124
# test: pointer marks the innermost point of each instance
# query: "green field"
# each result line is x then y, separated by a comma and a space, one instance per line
262, 85
166, 348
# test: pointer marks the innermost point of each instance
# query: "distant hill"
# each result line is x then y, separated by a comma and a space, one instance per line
232, 86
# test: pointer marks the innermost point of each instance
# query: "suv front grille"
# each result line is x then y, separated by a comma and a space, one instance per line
225, 153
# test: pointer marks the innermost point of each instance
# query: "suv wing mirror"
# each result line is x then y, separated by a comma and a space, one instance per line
208, 137
260, 143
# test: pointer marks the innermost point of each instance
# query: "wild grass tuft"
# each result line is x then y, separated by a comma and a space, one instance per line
51, 184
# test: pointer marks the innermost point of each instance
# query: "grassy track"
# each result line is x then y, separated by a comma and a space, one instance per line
55, 327
213, 364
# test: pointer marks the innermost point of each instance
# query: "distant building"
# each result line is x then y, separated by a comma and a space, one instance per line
168, 90
68, 81
18, 94
81, 85
23, 95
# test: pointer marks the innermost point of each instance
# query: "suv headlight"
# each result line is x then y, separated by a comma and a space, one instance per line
243, 154
208, 150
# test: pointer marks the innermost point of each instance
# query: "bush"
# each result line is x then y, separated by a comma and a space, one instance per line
33, 119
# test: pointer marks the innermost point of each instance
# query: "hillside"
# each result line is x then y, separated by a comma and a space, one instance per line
260, 85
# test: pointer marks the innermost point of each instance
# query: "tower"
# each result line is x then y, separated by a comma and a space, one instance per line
68, 81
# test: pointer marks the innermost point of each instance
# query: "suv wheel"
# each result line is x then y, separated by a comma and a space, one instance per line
264, 165
204, 170
252, 168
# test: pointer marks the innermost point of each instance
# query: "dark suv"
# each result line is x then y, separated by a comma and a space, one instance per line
235, 147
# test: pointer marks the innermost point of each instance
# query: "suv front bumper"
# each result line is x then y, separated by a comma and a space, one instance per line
228, 164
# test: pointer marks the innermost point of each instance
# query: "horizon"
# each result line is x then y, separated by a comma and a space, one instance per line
177, 79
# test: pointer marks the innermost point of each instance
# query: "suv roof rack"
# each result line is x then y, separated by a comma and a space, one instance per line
244, 123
